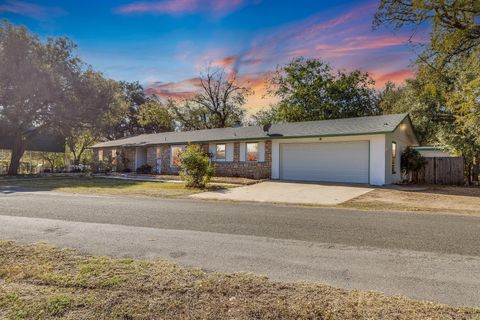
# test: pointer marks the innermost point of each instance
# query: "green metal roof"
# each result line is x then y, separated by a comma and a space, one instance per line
431, 148
323, 128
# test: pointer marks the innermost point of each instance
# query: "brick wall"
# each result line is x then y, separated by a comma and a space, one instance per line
235, 168
116, 154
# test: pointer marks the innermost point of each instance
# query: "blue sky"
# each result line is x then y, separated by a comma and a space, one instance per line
164, 44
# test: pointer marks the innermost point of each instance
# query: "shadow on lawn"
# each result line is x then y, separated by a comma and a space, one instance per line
85, 184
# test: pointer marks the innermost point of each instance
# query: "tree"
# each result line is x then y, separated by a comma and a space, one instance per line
308, 89
44, 87
427, 109
54, 159
128, 125
449, 67
455, 25
195, 167
463, 96
35, 78
154, 117
99, 104
219, 104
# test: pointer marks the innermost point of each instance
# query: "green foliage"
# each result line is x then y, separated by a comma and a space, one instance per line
195, 167
144, 169
100, 104
54, 159
127, 125
412, 160
448, 71
426, 108
123, 160
308, 89
463, 96
45, 87
154, 117
455, 25
104, 166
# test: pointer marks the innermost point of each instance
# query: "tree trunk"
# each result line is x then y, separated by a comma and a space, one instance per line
17, 153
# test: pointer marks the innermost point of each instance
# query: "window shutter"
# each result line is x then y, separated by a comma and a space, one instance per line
261, 151
243, 151
229, 152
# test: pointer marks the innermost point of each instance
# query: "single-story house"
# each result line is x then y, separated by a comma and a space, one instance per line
354, 150
434, 152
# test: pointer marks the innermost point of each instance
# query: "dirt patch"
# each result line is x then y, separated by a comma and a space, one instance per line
456, 200
42, 282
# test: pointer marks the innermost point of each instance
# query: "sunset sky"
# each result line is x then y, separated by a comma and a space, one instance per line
165, 44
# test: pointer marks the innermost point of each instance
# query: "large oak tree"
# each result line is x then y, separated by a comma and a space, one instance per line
44, 87
308, 89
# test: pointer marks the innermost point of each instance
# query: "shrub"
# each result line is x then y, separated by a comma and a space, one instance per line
123, 160
412, 161
144, 169
195, 167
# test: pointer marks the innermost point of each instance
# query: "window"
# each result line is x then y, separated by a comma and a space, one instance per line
100, 155
175, 155
394, 157
252, 151
220, 153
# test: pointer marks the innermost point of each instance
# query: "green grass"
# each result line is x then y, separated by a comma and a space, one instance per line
43, 282
107, 186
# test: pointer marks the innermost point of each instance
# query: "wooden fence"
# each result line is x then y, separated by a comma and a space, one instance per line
449, 171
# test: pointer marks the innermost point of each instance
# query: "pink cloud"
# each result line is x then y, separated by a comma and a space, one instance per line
346, 41
30, 10
397, 76
226, 61
168, 7
182, 7
180, 90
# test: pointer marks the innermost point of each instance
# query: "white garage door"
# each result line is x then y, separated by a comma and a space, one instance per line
336, 161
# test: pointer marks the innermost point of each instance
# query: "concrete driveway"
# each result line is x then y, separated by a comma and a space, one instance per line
289, 192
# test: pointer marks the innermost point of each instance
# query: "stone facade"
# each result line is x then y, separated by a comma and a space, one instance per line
252, 170
116, 155
235, 168
152, 156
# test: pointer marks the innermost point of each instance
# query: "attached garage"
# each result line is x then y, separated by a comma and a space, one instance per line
335, 162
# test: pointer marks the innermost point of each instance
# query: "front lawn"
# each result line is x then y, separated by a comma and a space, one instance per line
105, 186
433, 199
42, 282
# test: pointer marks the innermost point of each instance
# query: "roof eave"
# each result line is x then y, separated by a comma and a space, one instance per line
247, 139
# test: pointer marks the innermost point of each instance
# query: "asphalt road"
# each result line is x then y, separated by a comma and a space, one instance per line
424, 256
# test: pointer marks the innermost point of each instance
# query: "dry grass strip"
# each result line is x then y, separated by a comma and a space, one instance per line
43, 282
